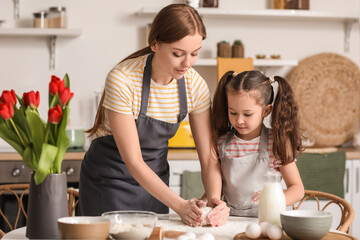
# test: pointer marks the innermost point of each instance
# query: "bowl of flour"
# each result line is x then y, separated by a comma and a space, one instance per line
131, 224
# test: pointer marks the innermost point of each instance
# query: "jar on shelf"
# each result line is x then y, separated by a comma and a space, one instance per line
40, 19
193, 3
237, 49
224, 49
57, 17
279, 4
210, 3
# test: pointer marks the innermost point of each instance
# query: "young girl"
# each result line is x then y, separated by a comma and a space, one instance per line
246, 148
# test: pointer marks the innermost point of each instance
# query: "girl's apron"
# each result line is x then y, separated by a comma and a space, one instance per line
106, 184
244, 175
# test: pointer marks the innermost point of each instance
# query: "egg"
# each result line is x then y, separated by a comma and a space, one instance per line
183, 237
253, 230
206, 236
190, 235
274, 232
264, 227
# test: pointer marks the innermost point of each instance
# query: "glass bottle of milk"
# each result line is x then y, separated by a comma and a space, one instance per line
272, 199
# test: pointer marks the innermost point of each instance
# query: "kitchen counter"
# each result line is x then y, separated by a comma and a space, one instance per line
186, 154
174, 154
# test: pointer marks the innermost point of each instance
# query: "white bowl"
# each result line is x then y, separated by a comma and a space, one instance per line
81, 227
306, 224
131, 224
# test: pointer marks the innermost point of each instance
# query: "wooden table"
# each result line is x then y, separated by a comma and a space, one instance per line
169, 227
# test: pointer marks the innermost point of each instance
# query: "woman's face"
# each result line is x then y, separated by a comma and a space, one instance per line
172, 60
246, 115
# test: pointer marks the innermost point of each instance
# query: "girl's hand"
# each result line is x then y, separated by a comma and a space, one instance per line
190, 212
256, 197
219, 215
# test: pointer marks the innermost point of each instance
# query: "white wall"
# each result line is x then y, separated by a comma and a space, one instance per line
111, 30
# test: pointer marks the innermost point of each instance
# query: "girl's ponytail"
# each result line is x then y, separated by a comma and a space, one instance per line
285, 124
219, 111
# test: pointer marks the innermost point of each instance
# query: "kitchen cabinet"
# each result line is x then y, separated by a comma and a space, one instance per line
52, 33
354, 194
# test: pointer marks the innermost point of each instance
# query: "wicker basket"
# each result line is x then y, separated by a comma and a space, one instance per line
327, 88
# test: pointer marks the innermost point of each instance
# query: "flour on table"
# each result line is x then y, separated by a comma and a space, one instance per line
233, 226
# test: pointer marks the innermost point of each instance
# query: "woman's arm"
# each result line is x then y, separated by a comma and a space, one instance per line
210, 166
295, 187
124, 130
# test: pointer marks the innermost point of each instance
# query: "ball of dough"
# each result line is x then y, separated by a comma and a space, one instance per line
204, 212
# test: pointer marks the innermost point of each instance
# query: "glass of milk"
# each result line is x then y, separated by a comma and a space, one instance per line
272, 199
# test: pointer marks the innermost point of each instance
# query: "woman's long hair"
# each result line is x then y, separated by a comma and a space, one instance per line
287, 139
171, 24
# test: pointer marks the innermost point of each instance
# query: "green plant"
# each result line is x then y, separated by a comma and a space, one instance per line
41, 144
238, 42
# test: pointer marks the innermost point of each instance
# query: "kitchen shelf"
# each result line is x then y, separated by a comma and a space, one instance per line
348, 19
266, 13
52, 33
257, 62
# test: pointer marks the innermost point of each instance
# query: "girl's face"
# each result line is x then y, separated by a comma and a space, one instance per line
246, 115
172, 60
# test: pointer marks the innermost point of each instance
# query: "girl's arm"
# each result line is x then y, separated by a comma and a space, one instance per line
210, 166
124, 130
295, 187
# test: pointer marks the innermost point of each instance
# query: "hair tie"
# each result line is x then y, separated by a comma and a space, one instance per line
234, 74
271, 80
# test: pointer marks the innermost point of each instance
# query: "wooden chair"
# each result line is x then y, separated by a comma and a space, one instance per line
233, 64
347, 212
19, 191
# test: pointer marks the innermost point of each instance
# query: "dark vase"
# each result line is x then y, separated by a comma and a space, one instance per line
47, 203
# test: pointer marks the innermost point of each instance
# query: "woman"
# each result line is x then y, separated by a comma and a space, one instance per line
126, 165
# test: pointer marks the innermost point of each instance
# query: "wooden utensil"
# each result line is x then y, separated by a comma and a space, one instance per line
328, 236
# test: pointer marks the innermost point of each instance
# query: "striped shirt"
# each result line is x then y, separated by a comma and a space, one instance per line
238, 147
123, 89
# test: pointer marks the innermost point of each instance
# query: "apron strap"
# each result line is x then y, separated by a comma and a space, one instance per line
264, 139
183, 99
146, 91
146, 86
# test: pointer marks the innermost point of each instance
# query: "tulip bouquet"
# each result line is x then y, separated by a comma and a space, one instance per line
41, 144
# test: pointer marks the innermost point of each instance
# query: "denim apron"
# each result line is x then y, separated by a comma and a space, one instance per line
244, 175
106, 184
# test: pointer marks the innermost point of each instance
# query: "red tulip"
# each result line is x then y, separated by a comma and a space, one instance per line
8, 97
65, 96
32, 99
6, 110
56, 85
55, 114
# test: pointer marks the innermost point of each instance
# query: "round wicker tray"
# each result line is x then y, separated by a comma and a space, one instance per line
327, 89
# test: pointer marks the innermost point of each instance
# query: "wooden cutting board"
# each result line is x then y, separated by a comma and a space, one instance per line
328, 236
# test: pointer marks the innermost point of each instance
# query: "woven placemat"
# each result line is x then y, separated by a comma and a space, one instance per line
327, 87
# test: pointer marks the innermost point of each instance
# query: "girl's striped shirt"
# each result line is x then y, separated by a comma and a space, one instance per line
238, 147
123, 88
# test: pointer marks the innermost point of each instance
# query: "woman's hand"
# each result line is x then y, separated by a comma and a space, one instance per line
256, 197
220, 214
190, 212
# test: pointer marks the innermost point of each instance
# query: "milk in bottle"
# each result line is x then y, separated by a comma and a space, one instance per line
272, 199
